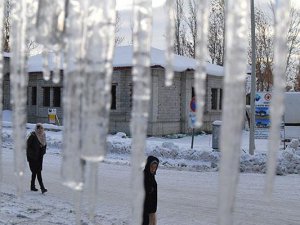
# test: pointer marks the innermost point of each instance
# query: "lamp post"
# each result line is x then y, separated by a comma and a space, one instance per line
253, 82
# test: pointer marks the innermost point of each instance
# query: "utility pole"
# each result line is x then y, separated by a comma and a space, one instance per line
253, 82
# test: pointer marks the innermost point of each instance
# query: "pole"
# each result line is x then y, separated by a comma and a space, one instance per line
253, 82
192, 145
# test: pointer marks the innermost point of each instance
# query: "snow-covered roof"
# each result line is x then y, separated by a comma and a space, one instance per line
123, 58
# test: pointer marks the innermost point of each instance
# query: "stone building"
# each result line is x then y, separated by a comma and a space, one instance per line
169, 106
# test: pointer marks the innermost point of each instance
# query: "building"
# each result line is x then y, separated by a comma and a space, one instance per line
169, 106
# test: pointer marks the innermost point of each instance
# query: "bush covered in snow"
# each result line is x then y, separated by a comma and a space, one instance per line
173, 156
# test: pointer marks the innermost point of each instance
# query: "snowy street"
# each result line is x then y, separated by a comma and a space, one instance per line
184, 197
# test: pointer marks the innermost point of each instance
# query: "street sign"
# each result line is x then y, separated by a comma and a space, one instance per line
193, 104
52, 115
192, 120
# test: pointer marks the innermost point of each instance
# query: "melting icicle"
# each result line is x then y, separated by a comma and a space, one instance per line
142, 12
2, 3
277, 102
233, 112
46, 70
98, 49
19, 80
200, 55
57, 68
72, 166
170, 33
50, 26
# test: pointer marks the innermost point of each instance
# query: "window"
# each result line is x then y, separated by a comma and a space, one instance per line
193, 92
214, 98
221, 99
33, 95
56, 97
113, 97
130, 95
46, 96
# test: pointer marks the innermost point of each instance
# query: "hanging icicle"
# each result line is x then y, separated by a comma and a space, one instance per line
234, 105
170, 34
98, 39
277, 101
19, 80
2, 8
200, 56
57, 67
142, 30
46, 70
72, 165
50, 28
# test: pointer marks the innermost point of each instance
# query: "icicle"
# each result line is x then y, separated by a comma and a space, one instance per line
98, 35
142, 12
200, 56
99, 45
19, 80
46, 70
170, 33
50, 29
2, 4
73, 166
234, 105
277, 101
57, 68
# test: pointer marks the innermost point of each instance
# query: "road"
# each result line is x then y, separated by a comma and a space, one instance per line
183, 197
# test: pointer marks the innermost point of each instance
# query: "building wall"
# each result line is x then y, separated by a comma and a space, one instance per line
120, 117
169, 106
39, 113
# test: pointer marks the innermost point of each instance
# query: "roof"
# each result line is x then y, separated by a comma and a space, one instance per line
123, 58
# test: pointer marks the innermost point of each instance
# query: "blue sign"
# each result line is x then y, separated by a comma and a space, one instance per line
193, 104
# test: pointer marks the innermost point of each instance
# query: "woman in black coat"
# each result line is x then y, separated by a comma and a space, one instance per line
150, 185
36, 148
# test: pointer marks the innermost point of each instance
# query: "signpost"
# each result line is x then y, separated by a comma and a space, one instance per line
192, 118
262, 114
52, 117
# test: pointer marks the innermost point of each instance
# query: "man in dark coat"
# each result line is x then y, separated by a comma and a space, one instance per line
150, 185
36, 148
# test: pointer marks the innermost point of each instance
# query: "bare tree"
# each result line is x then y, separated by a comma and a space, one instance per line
6, 26
297, 77
264, 50
191, 21
216, 32
293, 40
180, 35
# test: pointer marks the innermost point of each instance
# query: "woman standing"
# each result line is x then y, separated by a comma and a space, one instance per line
150, 185
36, 148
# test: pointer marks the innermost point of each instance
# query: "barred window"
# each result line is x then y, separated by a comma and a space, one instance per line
56, 96
113, 97
46, 96
33, 95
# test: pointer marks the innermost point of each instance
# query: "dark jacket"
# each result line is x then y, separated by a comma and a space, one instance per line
150, 185
35, 150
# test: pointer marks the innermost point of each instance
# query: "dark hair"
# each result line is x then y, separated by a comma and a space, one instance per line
38, 126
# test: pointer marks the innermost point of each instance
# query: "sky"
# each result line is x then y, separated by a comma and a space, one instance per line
182, 177
159, 18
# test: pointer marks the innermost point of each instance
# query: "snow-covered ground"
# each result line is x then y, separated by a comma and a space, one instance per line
187, 183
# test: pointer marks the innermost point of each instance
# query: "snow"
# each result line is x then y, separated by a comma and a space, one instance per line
123, 58
187, 183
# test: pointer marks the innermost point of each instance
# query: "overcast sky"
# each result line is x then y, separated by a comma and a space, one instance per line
159, 18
